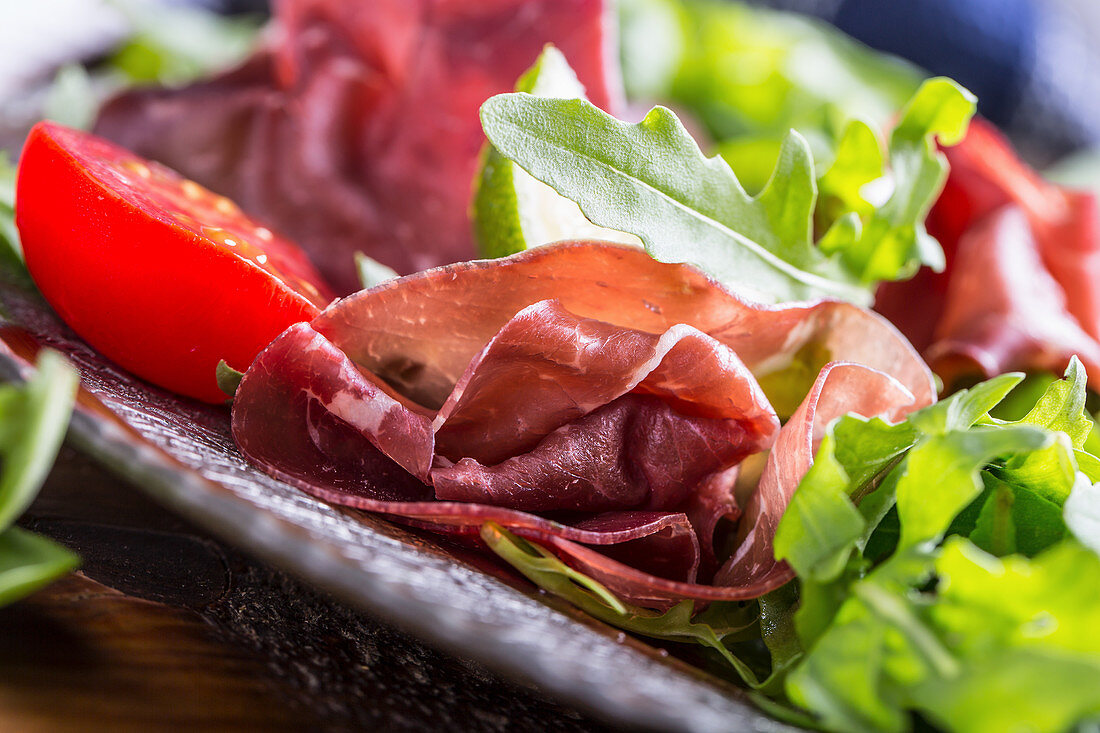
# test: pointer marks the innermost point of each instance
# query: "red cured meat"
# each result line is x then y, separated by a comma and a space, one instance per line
980, 316
552, 383
840, 388
357, 128
586, 425
1004, 310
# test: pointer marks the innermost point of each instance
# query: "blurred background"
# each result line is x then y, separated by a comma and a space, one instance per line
1033, 63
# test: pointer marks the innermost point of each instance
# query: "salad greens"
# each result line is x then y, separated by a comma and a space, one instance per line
747, 75
176, 44
651, 179
720, 623
10, 252
166, 44
372, 272
33, 419
512, 210
948, 566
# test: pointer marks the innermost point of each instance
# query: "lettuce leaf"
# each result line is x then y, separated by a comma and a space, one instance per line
944, 627
11, 253
33, 420
750, 74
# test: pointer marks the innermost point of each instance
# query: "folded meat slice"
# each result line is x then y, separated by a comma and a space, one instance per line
357, 127
1003, 309
1021, 290
419, 333
557, 413
840, 388
582, 379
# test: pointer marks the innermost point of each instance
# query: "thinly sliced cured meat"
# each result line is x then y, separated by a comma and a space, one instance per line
1003, 309
357, 127
840, 388
972, 318
587, 429
395, 330
566, 392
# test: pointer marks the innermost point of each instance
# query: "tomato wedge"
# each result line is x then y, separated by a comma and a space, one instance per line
159, 274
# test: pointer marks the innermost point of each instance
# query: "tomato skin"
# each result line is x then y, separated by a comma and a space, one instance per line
131, 271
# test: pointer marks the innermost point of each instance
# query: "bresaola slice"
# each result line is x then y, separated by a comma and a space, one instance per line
1003, 309
840, 388
575, 414
580, 377
420, 333
1022, 284
357, 127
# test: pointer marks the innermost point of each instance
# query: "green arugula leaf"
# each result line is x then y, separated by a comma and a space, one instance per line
858, 162
683, 205
29, 562
822, 524
780, 635
893, 242
228, 378
651, 180
11, 253
33, 419
966, 407
541, 567
749, 73
1016, 635
372, 272
1062, 406
941, 475
949, 629
1026, 632
1014, 519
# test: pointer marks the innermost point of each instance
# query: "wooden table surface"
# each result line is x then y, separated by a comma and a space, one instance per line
166, 629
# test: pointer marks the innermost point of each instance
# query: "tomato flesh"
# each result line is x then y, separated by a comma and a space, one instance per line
156, 272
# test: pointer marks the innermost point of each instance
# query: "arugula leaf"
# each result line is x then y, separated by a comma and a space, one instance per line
11, 253
893, 242
1062, 406
752, 73
721, 621
859, 161
1016, 635
780, 635
651, 179
29, 562
228, 378
371, 271
33, 420
1025, 631
941, 476
947, 629
1015, 519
